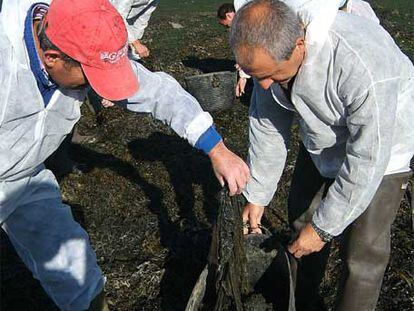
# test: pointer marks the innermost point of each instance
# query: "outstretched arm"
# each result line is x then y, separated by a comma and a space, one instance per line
164, 98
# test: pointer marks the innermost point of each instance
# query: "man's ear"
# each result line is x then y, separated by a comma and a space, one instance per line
50, 57
229, 16
300, 44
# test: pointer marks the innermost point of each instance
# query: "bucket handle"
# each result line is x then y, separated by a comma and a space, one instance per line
292, 267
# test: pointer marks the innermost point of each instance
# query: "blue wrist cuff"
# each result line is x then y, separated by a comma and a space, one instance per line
208, 140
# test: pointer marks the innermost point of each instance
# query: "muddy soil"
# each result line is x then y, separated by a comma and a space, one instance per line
147, 198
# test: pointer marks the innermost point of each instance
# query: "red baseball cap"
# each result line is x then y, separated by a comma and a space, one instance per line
93, 33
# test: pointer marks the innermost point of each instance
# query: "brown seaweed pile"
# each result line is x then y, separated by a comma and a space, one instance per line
245, 272
227, 255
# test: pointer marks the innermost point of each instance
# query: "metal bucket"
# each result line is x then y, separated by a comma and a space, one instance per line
214, 91
269, 274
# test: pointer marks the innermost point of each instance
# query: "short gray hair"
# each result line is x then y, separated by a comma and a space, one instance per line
271, 25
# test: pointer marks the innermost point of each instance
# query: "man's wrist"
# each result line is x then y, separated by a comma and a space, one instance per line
208, 140
325, 236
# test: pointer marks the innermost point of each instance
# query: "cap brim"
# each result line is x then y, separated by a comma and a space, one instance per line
116, 83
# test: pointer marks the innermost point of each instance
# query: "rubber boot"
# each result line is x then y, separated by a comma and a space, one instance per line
366, 247
99, 303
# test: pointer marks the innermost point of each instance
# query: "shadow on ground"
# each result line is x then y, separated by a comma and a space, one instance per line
208, 65
184, 237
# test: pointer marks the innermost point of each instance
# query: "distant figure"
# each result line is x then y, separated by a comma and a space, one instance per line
225, 15
136, 14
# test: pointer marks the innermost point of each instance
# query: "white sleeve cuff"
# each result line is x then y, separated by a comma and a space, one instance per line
244, 75
198, 126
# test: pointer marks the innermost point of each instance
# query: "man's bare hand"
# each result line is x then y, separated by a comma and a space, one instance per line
252, 215
229, 168
107, 103
308, 242
241, 84
140, 49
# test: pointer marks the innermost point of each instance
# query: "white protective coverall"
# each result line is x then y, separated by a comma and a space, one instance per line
136, 14
353, 94
239, 3
317, 15
41, 228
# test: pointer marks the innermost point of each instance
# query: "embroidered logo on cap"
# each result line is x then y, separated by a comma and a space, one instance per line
114, 57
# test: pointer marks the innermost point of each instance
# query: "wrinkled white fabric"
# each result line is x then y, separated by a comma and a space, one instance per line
239, 3
269, 129
361, 8
243, 75
259, 189
370, 125
136, 14
355, 116
29, 133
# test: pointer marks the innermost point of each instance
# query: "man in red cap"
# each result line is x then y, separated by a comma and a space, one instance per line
49, 56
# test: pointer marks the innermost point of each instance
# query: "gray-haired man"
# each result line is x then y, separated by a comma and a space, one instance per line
352, 94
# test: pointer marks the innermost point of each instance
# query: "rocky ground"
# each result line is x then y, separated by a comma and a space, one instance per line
147, 198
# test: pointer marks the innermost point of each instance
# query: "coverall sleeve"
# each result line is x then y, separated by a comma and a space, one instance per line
269, 133
370, 123
123, 7
140, 21
135, 15
162, 96
3, 74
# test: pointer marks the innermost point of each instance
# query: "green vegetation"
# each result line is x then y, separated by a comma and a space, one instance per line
189, 6
398, 18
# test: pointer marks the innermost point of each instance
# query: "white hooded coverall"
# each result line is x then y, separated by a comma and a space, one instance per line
41, 228
353, 95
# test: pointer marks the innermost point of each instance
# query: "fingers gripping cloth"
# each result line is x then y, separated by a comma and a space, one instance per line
227, 256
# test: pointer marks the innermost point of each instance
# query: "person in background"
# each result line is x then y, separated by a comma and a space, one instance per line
49, 60
352, 90
136, 14
225, 15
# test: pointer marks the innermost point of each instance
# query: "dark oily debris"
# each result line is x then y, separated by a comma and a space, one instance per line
244, 272
222, 282
227, 255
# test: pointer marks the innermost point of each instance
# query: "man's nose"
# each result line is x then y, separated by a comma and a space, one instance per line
265, 83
